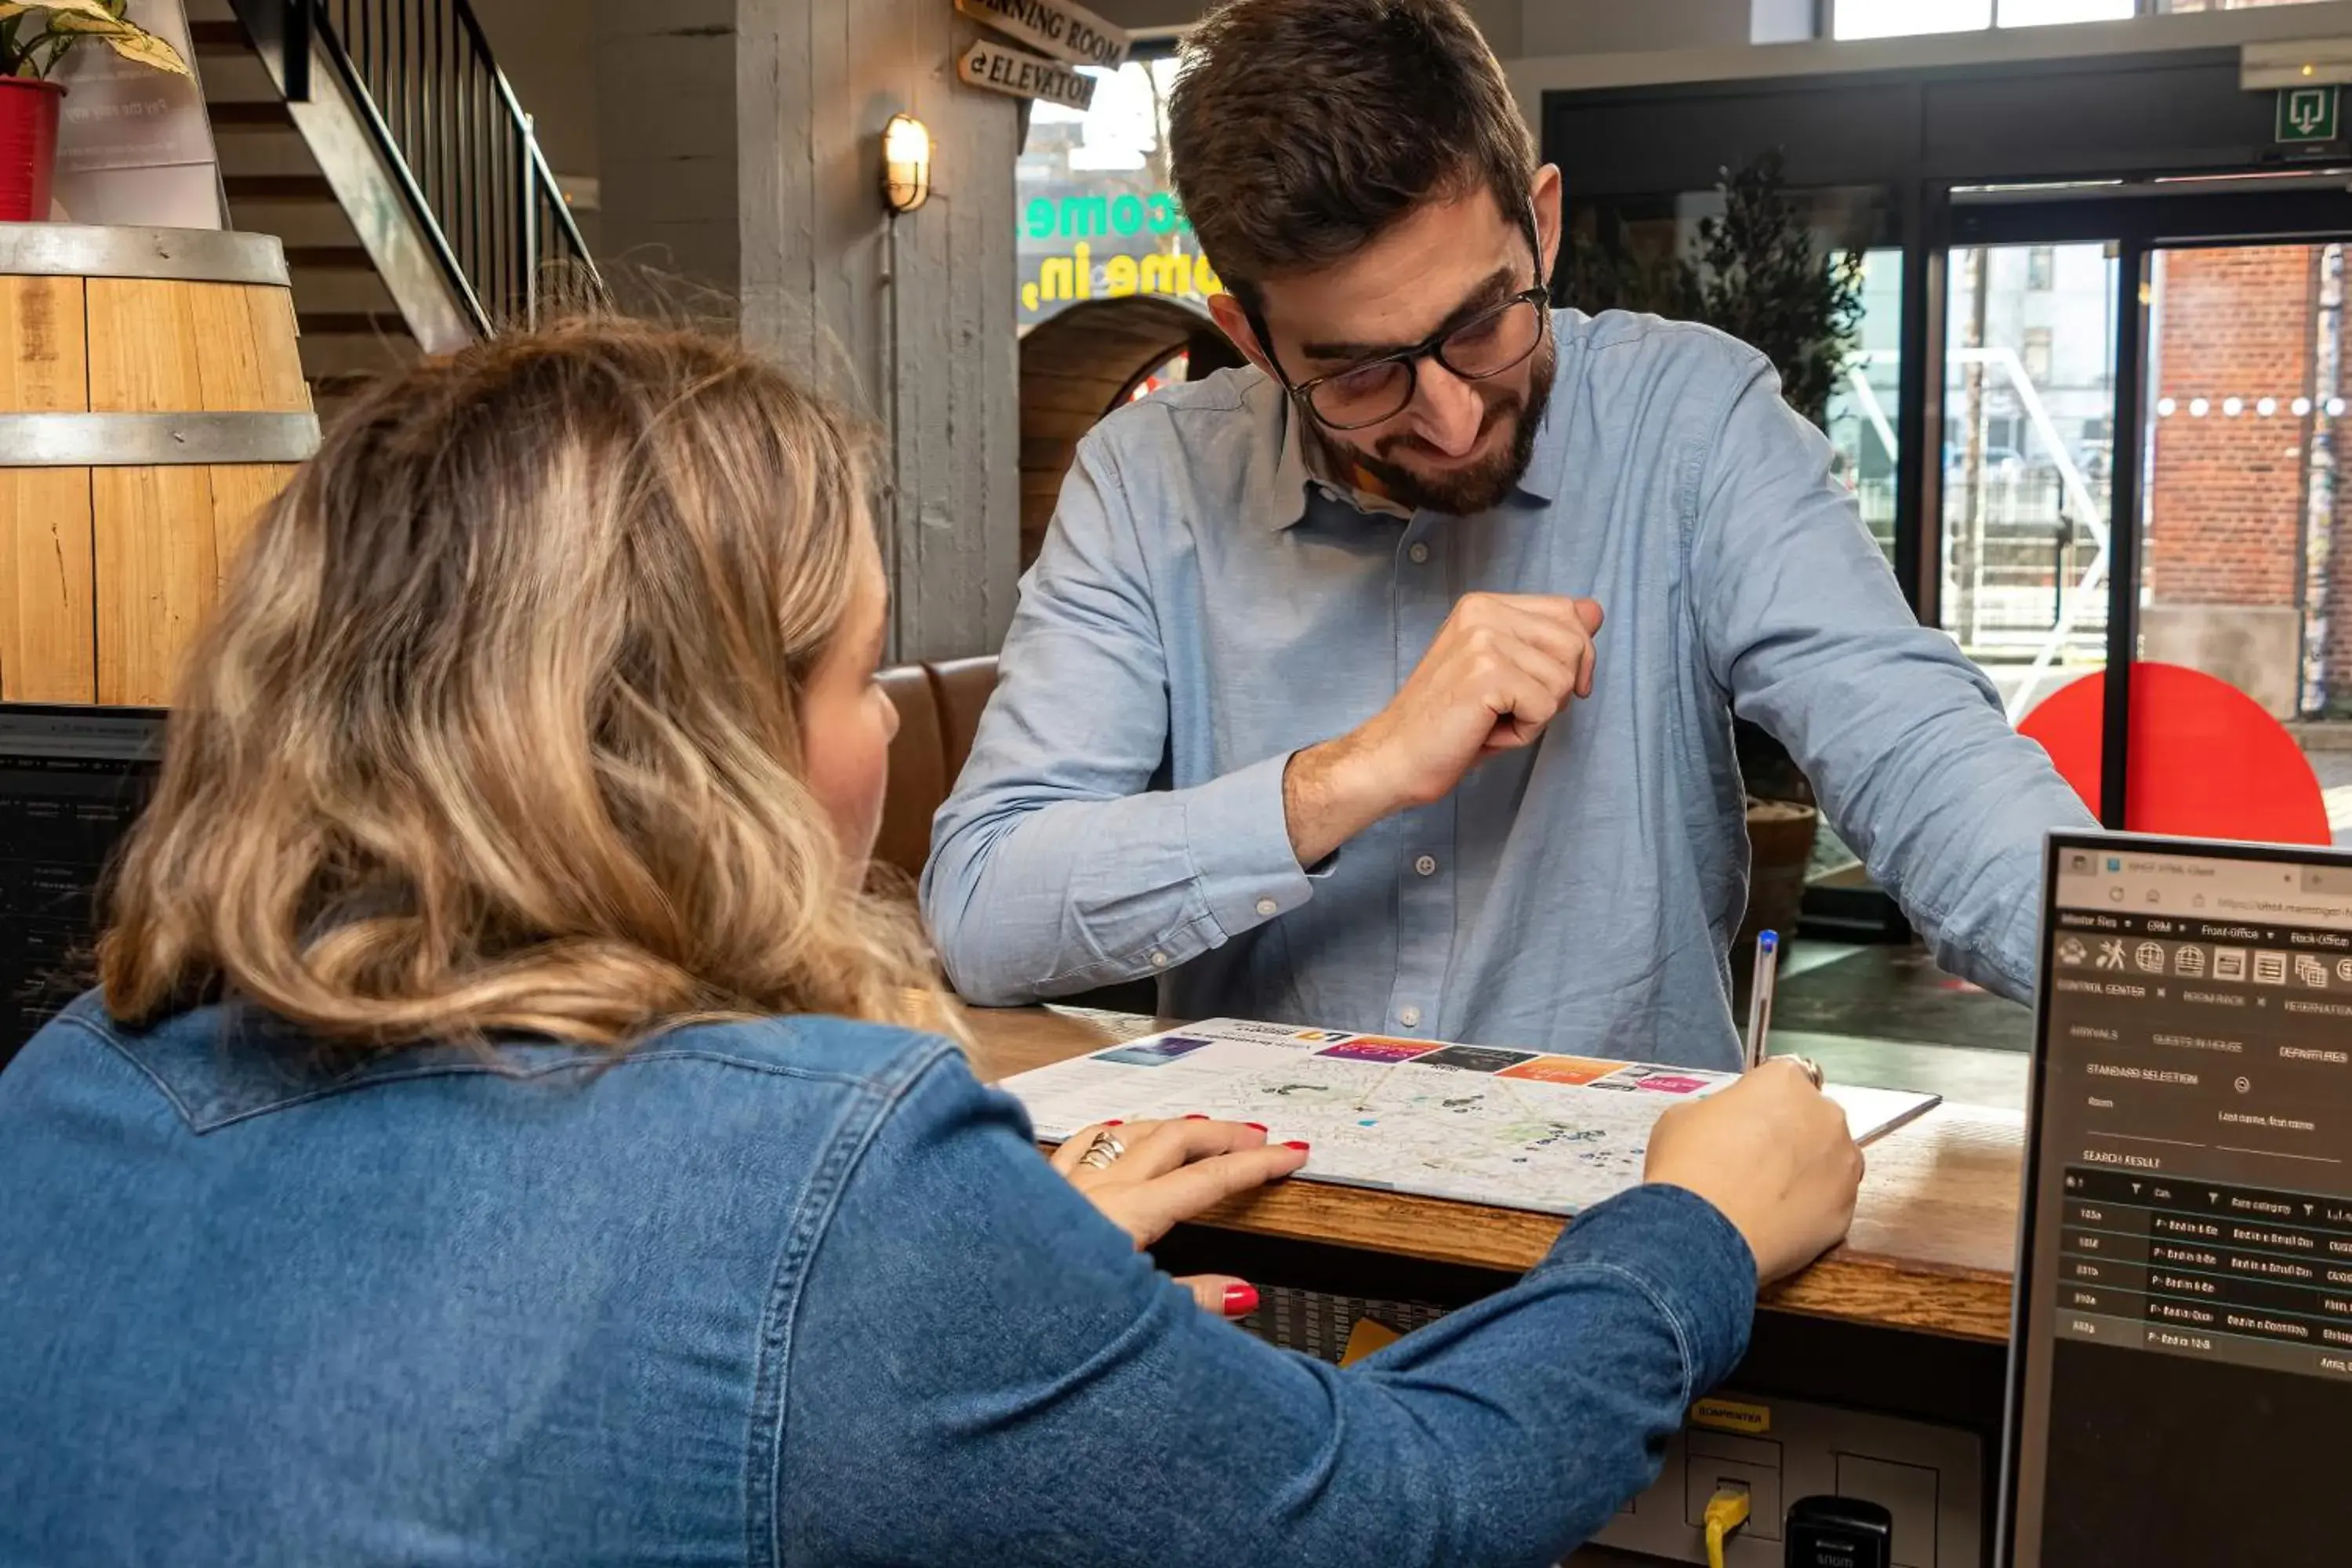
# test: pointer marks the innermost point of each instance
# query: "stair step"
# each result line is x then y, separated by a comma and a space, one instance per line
219, 37
352, 324
239, 79
263, 115
344, 292
279, 188
259, 150
328, 258
354, 354
296, 223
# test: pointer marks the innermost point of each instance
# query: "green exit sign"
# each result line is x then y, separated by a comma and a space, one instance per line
2307, 114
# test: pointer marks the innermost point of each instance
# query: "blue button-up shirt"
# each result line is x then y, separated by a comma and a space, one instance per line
1205, 607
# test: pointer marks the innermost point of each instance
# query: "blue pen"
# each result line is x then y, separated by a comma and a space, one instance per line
1760, 996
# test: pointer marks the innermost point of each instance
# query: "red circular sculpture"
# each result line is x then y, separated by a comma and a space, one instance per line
2206, 760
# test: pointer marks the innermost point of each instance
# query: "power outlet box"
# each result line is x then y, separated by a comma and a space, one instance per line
1930, 1478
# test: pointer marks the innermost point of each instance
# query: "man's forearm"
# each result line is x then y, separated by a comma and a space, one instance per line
1330, 795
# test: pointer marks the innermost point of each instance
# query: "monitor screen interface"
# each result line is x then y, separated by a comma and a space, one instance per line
2184, 1386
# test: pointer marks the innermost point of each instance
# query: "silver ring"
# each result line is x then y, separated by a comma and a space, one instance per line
1102, 1151
1810, 1067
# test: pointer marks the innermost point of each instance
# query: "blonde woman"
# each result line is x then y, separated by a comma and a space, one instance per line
501, 1136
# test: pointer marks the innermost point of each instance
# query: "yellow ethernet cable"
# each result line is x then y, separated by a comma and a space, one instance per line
1726, 1511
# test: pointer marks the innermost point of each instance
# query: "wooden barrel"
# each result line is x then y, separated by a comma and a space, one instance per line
150, 400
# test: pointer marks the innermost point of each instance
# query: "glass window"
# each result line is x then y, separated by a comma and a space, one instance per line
2036, 355
1905, 18
1097, 210
1902, 19
2171, 6
2051, 13
1867, 403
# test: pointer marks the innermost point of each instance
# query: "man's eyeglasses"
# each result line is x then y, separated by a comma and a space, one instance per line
1379, 389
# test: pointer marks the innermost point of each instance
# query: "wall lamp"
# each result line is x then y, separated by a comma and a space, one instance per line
906, 163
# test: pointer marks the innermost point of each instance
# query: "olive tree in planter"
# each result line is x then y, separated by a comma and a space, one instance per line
1757, 273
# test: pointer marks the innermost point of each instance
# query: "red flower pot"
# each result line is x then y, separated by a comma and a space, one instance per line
28, 147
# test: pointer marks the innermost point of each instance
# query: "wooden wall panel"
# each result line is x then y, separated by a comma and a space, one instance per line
927, 346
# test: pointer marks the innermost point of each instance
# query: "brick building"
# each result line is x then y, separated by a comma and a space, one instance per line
2243, 513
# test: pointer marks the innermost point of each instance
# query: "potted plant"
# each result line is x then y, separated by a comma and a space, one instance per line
1757, 273
33, 39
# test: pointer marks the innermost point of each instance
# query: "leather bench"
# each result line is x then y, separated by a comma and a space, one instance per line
939, 712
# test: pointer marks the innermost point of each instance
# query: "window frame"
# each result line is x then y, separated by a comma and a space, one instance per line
1826, 22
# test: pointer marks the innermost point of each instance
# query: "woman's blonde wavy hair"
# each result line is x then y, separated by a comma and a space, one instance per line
496, 727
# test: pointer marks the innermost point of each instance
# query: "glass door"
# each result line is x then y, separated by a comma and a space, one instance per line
2245, 562
2027, 462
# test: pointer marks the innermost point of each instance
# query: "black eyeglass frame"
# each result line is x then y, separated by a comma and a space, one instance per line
1431, 347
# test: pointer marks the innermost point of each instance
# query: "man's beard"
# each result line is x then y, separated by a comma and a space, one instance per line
1466, 491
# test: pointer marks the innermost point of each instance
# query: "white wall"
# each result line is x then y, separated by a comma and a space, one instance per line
1612, 27
548, 50
665, 106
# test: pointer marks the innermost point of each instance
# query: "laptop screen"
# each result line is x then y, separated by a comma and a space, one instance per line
2181, 1378
72, 779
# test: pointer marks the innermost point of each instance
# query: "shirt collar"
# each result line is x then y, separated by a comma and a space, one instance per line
1297, 469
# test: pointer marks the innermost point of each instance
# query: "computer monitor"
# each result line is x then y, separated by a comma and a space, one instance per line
2182, 1361
72, 779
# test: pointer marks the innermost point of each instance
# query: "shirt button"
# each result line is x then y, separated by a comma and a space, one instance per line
1426, 865
1269, 907
1419, 554
1410, 1017
1158, 959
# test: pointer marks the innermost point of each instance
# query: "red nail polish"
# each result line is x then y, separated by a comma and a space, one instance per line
1295, 1144
1114, 1121
1240, 1300
1196, 1116
1260, 1126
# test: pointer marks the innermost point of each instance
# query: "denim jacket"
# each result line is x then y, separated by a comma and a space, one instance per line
798, 1290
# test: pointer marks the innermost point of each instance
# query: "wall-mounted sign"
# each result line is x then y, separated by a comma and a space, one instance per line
1025, 75
2307, 114
1064, 31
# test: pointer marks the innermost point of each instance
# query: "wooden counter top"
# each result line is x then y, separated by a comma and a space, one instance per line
1934, 1237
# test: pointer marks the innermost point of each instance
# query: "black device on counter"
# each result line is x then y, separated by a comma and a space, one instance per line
1838, 1533
72, 780
2180, 1364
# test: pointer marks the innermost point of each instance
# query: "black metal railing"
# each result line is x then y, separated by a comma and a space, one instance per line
448, 124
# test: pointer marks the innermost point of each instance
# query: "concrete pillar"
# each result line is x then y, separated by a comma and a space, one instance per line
913, 319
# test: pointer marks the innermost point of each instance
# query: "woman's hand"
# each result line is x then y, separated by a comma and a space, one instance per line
1171, 1171
1774, 1155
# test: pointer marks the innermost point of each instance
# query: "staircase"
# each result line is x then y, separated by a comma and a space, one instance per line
380, 142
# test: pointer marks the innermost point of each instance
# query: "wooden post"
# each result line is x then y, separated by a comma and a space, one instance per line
916, 327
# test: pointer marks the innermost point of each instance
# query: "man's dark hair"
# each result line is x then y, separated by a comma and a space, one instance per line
1301, 130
